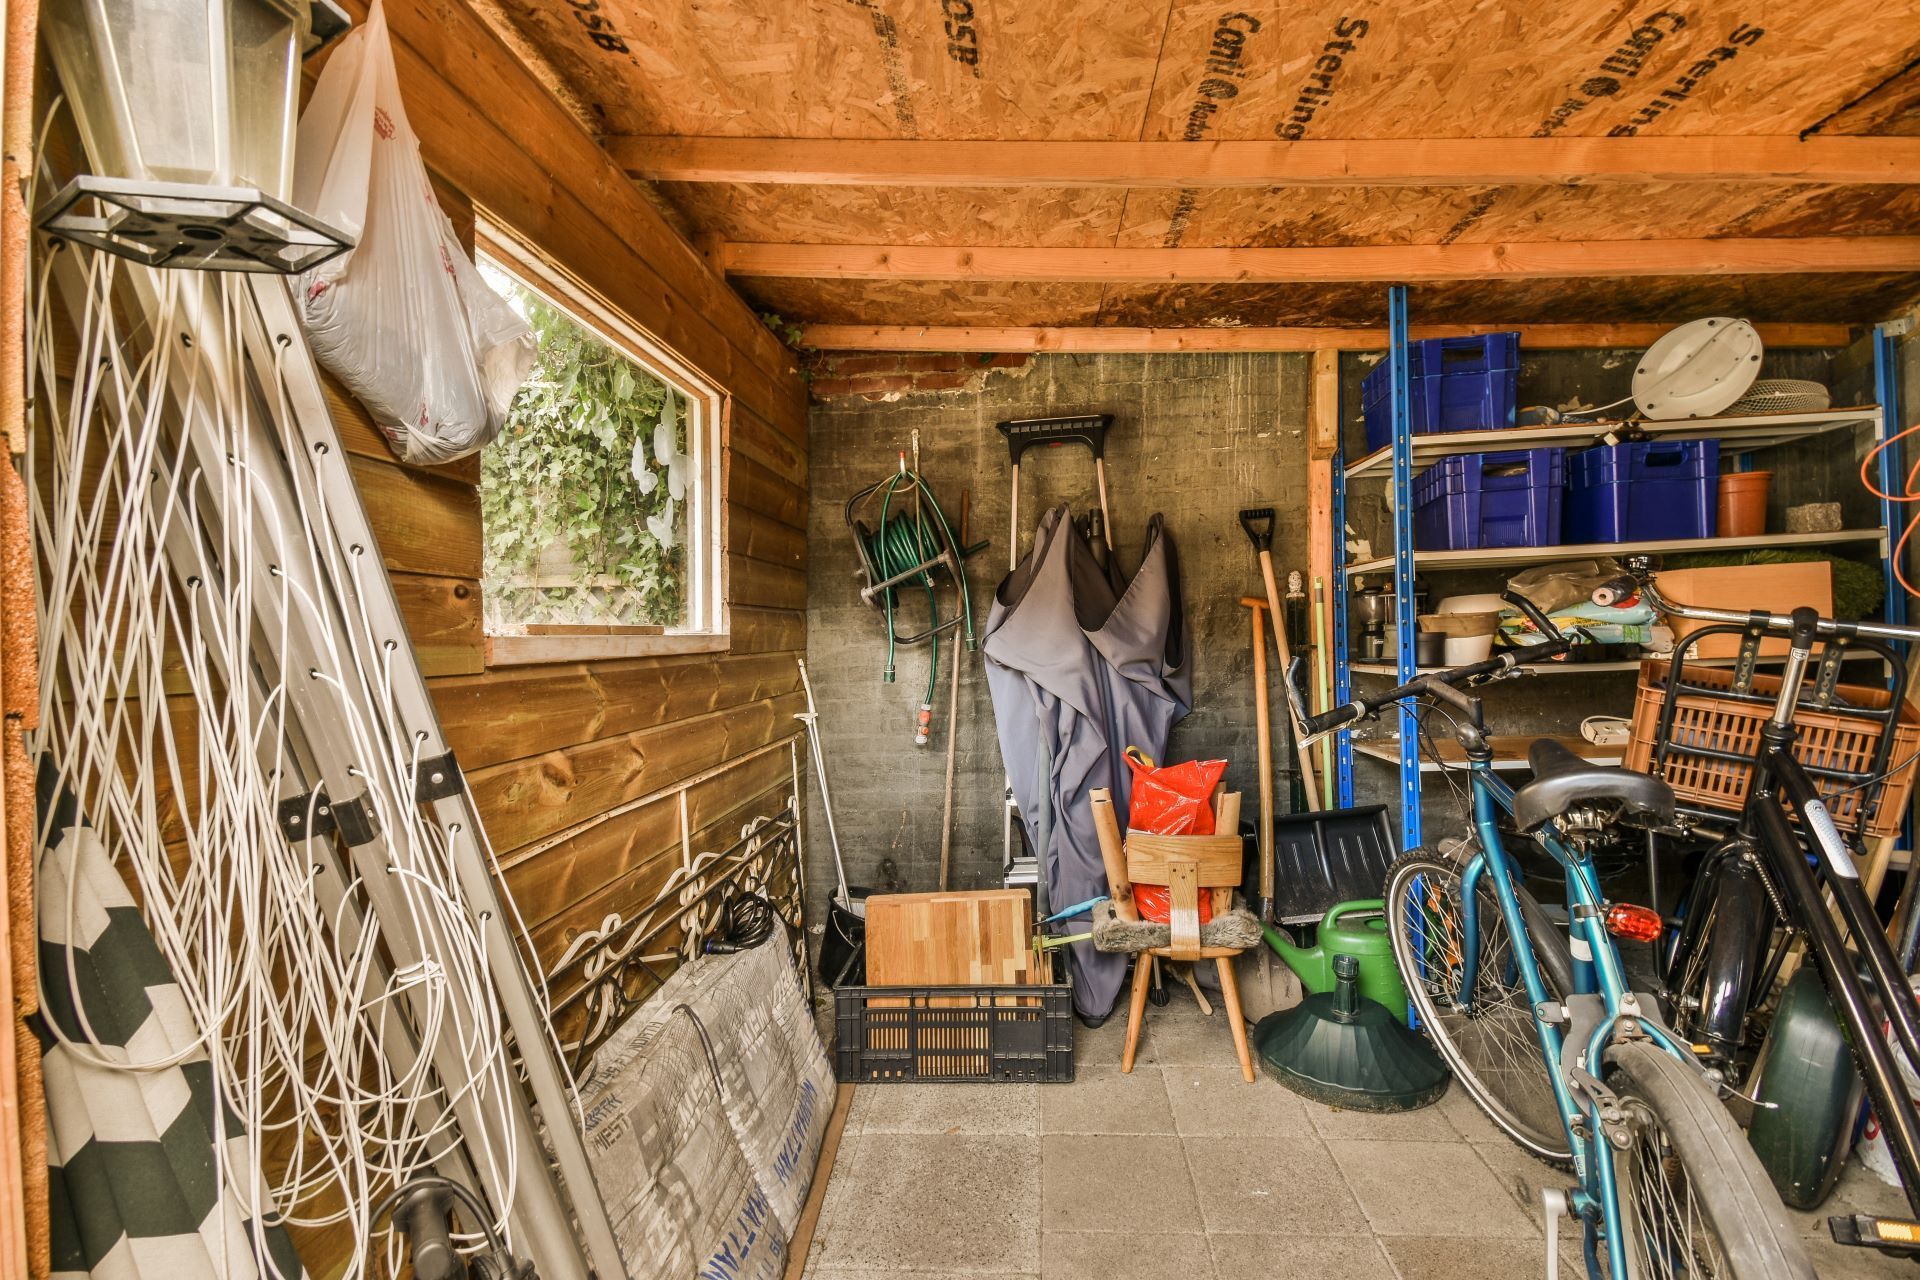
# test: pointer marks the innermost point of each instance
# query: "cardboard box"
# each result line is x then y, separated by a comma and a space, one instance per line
1776, 588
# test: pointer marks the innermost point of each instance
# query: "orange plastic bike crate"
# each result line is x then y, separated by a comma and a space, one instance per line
1829, 739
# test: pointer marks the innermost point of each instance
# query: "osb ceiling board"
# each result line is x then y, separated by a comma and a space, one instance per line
1497, 68
754, 212
1839, 299
854, 68
1126, 69
928, 302
1414, 215
1845, 299
1283, 216
1174, 69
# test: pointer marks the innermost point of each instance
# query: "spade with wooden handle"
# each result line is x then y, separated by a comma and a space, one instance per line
1258, 522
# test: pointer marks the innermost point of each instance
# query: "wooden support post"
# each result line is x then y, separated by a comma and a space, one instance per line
1323, 540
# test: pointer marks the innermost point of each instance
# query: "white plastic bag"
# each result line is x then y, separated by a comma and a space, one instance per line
404, 319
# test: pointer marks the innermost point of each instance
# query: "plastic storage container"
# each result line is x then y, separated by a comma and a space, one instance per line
1453, 384
954, 1035
1643, 491
1507, 499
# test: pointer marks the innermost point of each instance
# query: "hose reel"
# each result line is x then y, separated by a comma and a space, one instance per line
911, 543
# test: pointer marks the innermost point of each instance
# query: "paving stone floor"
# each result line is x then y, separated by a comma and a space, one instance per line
1182, 1171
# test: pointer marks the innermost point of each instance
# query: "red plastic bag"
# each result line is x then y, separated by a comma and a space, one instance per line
1174, 801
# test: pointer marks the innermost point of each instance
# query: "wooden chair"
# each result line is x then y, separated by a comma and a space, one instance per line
1187, 866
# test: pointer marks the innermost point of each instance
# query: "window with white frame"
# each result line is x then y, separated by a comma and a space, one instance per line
600, 498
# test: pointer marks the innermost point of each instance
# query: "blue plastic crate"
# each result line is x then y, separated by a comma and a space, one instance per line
1453, 384
1643, 491
1506, 499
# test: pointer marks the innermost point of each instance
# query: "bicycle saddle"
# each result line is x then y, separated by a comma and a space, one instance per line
1562, 780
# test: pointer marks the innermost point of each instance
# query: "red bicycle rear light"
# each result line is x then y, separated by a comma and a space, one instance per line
1636, 924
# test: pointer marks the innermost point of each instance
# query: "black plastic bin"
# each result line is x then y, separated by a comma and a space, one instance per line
954, 1035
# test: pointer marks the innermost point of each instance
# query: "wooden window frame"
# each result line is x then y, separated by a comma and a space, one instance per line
709, 627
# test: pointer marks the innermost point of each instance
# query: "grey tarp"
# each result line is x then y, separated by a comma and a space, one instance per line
1078, 673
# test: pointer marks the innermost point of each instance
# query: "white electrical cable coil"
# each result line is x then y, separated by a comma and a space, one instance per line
171, 726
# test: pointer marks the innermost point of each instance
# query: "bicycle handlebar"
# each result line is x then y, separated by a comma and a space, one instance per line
1615, 590
1446, 684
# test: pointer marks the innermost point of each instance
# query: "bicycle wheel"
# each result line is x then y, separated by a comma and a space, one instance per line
1491, 1043
1694, 1201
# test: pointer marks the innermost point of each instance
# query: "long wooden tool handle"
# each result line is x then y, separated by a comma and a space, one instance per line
1263, 723
1113, 854
1303, 757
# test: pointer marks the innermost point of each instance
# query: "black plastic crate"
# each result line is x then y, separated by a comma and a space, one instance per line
954, 1035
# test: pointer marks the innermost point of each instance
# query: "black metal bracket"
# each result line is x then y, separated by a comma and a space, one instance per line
1743, 667
356, 821
307, 816
437, 778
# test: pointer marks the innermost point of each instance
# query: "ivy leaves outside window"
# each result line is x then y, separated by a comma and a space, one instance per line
584, 496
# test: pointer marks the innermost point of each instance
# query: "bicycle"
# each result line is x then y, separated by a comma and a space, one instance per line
1541, 1026
1759, 892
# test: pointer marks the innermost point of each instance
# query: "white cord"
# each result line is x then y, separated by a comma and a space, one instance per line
167, 714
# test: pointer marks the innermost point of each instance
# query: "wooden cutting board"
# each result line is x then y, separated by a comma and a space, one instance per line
978, 938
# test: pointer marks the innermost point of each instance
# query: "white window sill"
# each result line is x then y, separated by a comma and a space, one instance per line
515, 651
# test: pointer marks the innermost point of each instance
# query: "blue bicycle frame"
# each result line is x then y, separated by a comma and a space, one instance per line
1596, 972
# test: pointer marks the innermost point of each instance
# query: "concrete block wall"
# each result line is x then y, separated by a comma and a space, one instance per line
1197, 437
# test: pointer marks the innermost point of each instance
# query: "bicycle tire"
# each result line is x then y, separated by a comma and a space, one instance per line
1680, 1125
1519, 1100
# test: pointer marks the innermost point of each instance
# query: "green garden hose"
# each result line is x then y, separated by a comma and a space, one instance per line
900, 542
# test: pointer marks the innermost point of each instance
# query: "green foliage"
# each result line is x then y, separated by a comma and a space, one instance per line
566, 521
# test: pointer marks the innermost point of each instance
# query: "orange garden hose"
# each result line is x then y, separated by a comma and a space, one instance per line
1911, 494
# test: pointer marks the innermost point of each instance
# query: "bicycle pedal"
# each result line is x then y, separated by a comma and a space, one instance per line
1897, 1236
1554, 1201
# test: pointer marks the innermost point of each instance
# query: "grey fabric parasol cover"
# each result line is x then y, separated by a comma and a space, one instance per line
1078, 673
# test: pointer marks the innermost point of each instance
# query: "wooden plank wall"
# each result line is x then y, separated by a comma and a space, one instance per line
548, 748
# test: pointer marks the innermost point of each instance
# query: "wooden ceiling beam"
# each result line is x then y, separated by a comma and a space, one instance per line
1435, 162
1534, 337
1541, 260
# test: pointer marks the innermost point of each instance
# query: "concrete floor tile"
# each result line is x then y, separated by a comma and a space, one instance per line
947, 1108
1102, 1045
1428, 1189
1102, 1100
933, 1202
1216, 1101
1522, 1174
1424, 1125
1289, 1188
1145, 1254
1180, 1035
1096, 1183
1466, 1117
848, 1273
1451, 1257
1843, 1262
1858, 1191
1263, 1257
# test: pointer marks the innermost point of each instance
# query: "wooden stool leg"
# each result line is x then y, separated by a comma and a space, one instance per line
1193, 985
1230, 990
1136, 1009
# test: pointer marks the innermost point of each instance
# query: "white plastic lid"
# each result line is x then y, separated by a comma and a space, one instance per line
1698, 369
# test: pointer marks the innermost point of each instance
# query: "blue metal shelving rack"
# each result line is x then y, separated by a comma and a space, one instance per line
1892, 521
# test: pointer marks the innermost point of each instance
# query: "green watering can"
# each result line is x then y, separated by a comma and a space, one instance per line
1364, 937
